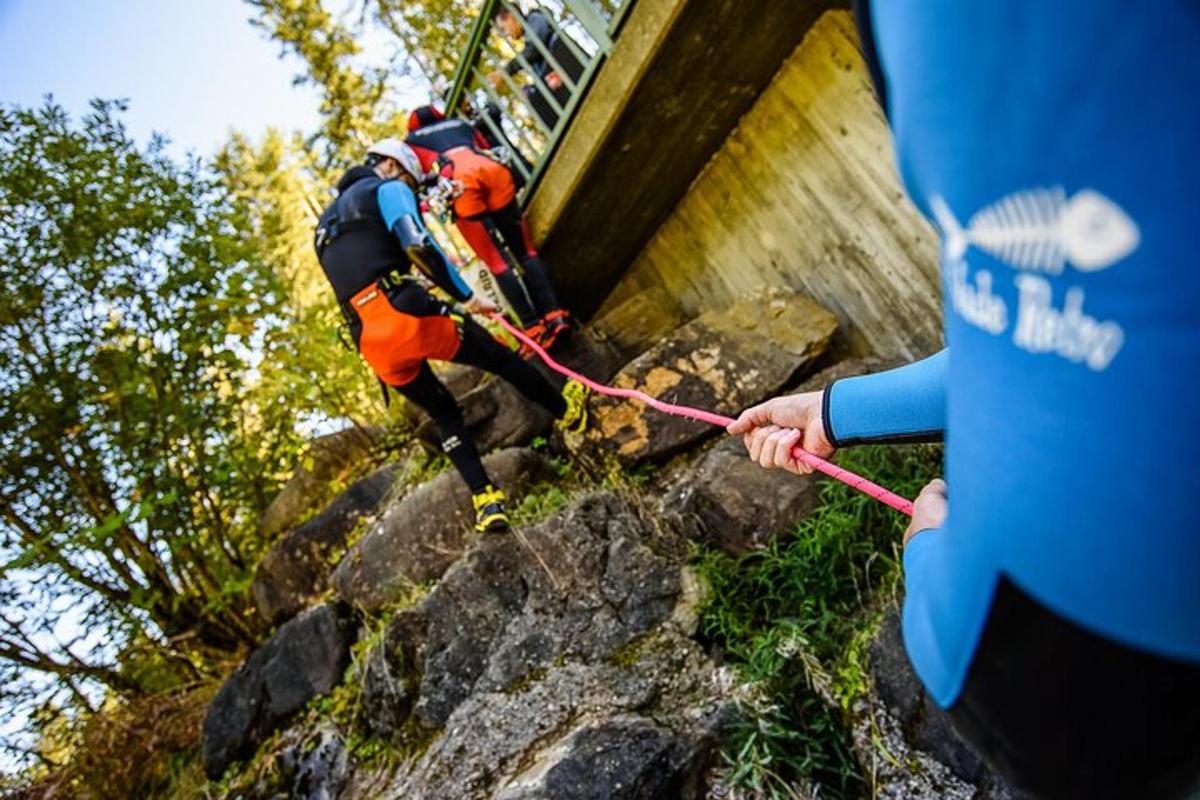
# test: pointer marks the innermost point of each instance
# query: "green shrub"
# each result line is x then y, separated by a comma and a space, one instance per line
539, 502
793, 618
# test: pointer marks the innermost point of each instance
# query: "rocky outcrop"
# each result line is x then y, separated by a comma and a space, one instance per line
553, 664
722, 361
296, 569
581, 731
639, 323
328, 458
559, 661
631, 756
727, 501
906, 742
415, 540
582, 583
315, 766
304, 659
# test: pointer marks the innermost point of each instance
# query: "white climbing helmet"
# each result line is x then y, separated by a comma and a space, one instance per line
392, 147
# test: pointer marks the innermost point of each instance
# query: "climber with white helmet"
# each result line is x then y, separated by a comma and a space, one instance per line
366, 241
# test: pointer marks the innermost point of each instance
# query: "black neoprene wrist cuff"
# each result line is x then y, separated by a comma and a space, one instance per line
826, 420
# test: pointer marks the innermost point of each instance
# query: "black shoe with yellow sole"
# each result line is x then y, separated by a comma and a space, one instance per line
490, 514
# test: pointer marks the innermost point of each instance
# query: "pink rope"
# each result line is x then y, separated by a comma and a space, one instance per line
816, 462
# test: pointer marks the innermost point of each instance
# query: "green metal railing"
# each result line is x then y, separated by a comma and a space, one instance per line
524, 106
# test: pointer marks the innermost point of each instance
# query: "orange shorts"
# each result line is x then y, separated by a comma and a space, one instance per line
396, 337
487, 184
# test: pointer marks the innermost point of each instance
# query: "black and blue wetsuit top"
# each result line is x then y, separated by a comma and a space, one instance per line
370, 225
1054, 145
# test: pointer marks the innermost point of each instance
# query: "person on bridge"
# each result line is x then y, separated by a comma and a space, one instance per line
489, 218
539, 35
1052, 584
367, 240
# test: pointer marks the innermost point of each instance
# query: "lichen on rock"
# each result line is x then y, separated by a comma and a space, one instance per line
721, 361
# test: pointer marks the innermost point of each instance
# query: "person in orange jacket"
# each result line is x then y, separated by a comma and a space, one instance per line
488, 216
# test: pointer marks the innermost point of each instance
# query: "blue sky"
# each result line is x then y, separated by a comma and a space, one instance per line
192, 69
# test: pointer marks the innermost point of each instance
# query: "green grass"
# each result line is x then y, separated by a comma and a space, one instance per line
794, 619
423, 472
539, 502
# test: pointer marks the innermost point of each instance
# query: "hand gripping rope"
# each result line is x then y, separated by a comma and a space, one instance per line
821, 465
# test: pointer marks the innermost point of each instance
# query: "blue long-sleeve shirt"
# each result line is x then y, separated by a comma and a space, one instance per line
1054, 144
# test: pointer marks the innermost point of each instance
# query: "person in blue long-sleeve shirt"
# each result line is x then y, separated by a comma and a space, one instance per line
1053, 580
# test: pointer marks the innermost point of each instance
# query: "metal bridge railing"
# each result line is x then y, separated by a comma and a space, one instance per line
524, 99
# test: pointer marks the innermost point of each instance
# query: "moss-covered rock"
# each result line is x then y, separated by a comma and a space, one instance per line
295, 570
305, 658
418, 538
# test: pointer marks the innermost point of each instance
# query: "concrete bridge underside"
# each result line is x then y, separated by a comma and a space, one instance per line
680, 77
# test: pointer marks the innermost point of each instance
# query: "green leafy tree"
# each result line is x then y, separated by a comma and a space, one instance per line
134, 454
433, 33
353, 108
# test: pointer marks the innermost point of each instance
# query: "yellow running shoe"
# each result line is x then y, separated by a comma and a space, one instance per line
490, 514
575, 419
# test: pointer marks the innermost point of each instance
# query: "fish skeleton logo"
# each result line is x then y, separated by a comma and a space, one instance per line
1042, 230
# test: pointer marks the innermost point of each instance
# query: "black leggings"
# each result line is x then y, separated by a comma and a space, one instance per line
478, 349
508, 230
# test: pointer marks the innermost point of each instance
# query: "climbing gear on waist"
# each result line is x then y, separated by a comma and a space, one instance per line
816, 462
574, 419
389, 283
441, 196
490, 514
395, 280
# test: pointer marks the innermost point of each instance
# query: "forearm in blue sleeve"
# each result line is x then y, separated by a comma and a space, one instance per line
398, 206
907, 404
947, 594
924, 569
